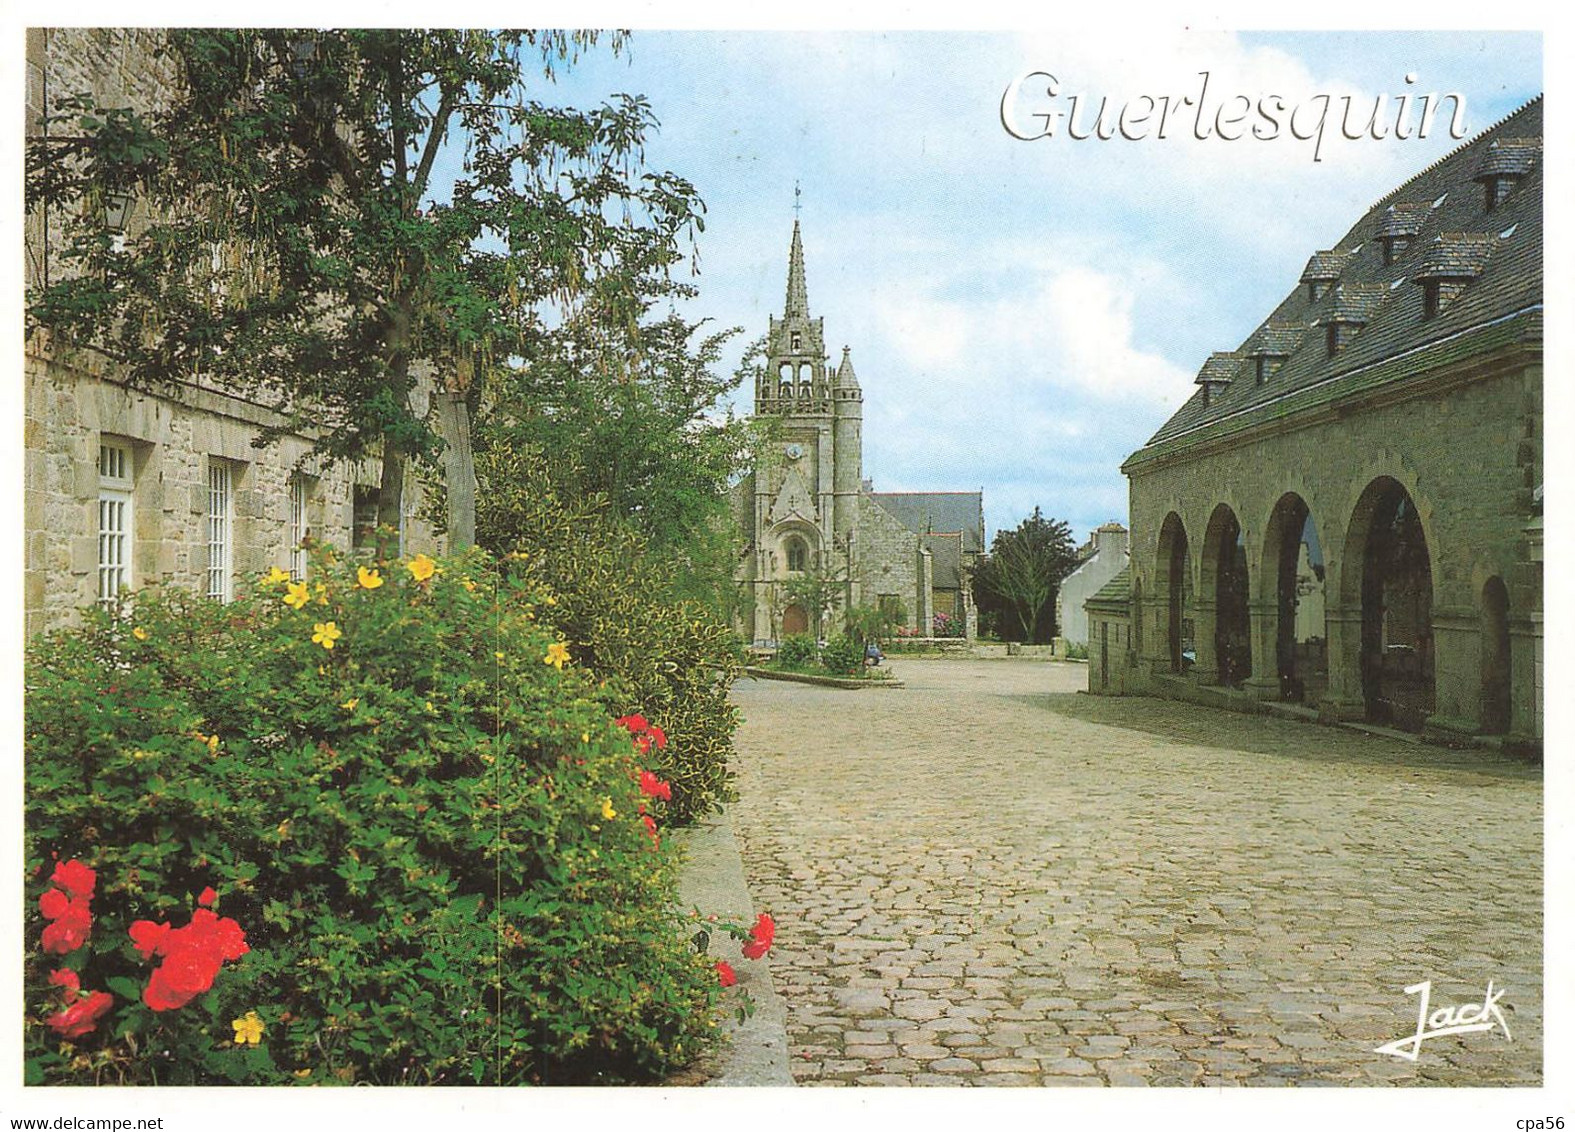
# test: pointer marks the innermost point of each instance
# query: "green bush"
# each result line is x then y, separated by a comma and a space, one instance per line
842, 656
429, 832
797, 651
672, 660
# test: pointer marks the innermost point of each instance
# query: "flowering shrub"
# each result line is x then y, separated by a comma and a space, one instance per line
945, 625
445, 852
797, 651
672, 659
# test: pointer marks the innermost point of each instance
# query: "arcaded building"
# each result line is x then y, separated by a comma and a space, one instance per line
1347, 513
806, 508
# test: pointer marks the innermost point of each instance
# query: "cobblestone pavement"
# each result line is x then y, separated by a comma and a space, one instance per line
985, 879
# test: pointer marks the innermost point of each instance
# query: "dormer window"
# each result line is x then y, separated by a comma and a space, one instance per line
1271, 346
1399, 226
1355, 305
1506, 161
1216, 374
1322, 273
1451, 263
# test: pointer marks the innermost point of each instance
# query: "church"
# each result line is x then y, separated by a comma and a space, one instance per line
806, 509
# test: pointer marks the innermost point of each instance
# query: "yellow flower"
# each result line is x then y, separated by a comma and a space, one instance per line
325, 633
557, 653
607, 809
468, 584
210, 741
498, 655
140, 633
368, 579
303, 1073
430, 708
275, 576
350, 704
248, 1028
585, 736
284, 829
421, 567
295, 595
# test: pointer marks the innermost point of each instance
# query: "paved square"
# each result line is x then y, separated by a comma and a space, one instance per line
987, 879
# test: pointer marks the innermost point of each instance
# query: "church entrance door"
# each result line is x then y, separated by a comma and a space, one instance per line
794, 621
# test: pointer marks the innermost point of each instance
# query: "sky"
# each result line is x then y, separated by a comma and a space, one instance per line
1024, 314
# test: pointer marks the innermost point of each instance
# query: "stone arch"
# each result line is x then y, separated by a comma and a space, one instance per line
1173, 586
1293, 576
1223, 580
1495, 657
1386, 574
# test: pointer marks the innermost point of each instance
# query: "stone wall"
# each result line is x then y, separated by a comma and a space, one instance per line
889, 560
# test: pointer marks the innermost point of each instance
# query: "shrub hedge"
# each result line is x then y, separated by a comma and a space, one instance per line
424, 819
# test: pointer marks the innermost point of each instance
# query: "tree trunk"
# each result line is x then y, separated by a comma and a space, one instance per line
391, 492
459, 471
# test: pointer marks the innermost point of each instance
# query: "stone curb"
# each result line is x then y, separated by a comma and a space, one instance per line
822, 681
756, 1052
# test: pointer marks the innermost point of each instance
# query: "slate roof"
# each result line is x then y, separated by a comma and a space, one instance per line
1276, 340
1220, 369
1500, 308
1116, 592
938, 512
1324, 267
1403, 219
1456, 255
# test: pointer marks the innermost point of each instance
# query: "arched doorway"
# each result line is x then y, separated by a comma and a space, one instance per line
1225, 572
794, 620
1173, 578
1387, 546
1293, 557
1495, 657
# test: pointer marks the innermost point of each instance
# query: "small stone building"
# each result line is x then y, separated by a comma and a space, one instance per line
806, 507
125, 487
1101, 558
1373, 448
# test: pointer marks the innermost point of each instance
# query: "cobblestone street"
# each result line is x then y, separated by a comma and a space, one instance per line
986, 879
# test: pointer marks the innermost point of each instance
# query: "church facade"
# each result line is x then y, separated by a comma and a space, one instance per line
807, 512
1347, 514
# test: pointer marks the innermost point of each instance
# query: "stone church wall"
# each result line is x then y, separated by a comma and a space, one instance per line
887, 561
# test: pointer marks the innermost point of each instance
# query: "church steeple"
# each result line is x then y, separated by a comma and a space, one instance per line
797, 293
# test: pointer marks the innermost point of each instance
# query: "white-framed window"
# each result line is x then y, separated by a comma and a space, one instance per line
300, 493
221, 528
115, 482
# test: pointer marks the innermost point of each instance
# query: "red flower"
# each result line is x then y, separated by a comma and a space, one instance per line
658, 736
79, 1019
654, 787
54, 904
635, 723
72, 923
207, 897
76, 878
65, 978
761, 937
725, 973
192, 956
148, 937
650, 827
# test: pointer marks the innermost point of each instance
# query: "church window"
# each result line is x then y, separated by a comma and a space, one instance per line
798, 341
797, 556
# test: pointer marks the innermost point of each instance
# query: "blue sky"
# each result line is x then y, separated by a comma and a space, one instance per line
1024, 314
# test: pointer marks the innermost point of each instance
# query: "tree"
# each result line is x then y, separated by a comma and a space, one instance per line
1023, 573
287, 237
818, 590
875, 623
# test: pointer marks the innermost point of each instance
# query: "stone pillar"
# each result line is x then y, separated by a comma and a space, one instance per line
1207, 668
1344, 698
1264, 624
1457, 669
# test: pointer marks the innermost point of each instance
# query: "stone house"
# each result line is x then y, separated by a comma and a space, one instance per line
125, 487
807, 508
1100, 559
1374, 448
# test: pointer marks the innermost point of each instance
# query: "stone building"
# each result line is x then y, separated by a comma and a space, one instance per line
1099, 560
1373, 448
126, 487
806, 508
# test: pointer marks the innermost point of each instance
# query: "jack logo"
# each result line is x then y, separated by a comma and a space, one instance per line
1468, 1018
